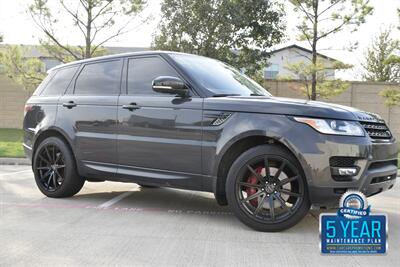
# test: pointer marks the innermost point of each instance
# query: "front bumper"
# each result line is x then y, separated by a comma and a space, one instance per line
376, 161
371, 182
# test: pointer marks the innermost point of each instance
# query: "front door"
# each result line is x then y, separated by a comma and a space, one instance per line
159, 137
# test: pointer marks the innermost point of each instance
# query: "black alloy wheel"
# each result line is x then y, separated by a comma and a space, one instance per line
50, 166
55, 170
266, 189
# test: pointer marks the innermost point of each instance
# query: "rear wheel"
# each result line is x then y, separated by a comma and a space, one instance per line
55, 170
266, 189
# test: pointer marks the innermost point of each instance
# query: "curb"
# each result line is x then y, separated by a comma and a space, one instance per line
15, 161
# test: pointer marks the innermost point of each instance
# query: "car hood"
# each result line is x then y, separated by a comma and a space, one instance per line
288, 106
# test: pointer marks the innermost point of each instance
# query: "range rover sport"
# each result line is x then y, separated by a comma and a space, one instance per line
178, 120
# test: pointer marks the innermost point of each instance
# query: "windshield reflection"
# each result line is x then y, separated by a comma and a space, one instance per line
218, 77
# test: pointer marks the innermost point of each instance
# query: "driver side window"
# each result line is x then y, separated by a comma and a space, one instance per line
142, 71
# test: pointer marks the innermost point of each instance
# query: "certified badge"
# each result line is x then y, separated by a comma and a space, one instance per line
353, 230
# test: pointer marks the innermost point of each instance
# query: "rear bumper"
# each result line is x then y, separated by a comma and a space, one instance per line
28, 151
28, 142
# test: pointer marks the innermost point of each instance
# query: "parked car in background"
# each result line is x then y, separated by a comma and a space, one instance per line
185, 121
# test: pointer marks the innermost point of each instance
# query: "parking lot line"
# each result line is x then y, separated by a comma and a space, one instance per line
13, 173
114, 200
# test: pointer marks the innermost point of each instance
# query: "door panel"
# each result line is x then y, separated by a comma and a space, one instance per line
88, 114
93, 123
165, 133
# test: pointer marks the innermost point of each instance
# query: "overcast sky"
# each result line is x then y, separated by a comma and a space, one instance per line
18, 28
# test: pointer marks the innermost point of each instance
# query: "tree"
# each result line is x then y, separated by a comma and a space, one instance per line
237, 32
98, 21
326, 87
339, 14
392, 93
28, 72
381, 64
398, 12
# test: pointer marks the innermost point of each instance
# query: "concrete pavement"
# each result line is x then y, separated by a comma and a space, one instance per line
121, 224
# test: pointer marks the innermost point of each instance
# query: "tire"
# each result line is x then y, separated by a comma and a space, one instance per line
54, 168
263, 177
221, 200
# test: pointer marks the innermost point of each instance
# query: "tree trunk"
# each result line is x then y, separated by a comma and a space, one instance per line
314, 53
88, 48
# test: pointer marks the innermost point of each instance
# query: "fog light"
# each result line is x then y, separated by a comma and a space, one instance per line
347, 171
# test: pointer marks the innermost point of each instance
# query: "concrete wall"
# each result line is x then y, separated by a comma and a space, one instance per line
12, 101
361, 95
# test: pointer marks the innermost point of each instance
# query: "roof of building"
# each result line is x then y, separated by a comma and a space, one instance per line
302, 49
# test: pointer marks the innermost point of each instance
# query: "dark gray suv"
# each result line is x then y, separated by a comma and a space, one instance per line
185, 121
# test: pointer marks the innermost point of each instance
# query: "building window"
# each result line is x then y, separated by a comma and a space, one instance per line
271, 72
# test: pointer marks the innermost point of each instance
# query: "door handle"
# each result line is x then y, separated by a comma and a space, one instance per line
131, 106
69, 104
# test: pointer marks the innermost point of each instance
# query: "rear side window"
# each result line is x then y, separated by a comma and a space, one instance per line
59, 82
43, 84
142, 72
101, 78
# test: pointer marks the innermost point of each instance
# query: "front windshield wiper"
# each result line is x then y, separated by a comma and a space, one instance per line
222, 95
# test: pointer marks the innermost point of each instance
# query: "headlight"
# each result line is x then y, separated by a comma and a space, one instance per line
338, 127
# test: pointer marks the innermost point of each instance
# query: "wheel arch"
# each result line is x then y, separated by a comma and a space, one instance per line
51, 132
239, 146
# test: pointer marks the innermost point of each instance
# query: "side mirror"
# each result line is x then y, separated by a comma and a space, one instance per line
170, 85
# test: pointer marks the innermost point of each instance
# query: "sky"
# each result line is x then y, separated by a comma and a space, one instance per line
18, 28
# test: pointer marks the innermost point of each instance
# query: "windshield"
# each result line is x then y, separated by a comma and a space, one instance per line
217, 77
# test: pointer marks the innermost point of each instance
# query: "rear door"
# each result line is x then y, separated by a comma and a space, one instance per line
160, 139
41, 108
88, 114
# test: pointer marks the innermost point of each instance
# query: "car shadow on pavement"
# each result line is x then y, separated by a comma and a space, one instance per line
181, 202
155, 198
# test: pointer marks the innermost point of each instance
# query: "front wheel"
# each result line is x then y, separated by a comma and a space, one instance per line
266, 189
55, 169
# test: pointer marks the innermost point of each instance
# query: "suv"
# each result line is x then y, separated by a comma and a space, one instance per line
185, 121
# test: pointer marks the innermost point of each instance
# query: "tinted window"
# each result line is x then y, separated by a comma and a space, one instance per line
102, 78
142, 72
218, 77
60, 81
43, 84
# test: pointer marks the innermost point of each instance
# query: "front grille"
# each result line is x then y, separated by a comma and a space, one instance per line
342, 161
377, 130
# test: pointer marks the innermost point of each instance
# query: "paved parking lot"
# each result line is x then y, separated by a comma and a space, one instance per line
122, 224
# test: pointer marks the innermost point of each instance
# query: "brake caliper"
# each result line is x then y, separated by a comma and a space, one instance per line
251, 190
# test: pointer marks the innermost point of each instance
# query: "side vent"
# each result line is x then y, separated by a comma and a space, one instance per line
220, 119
